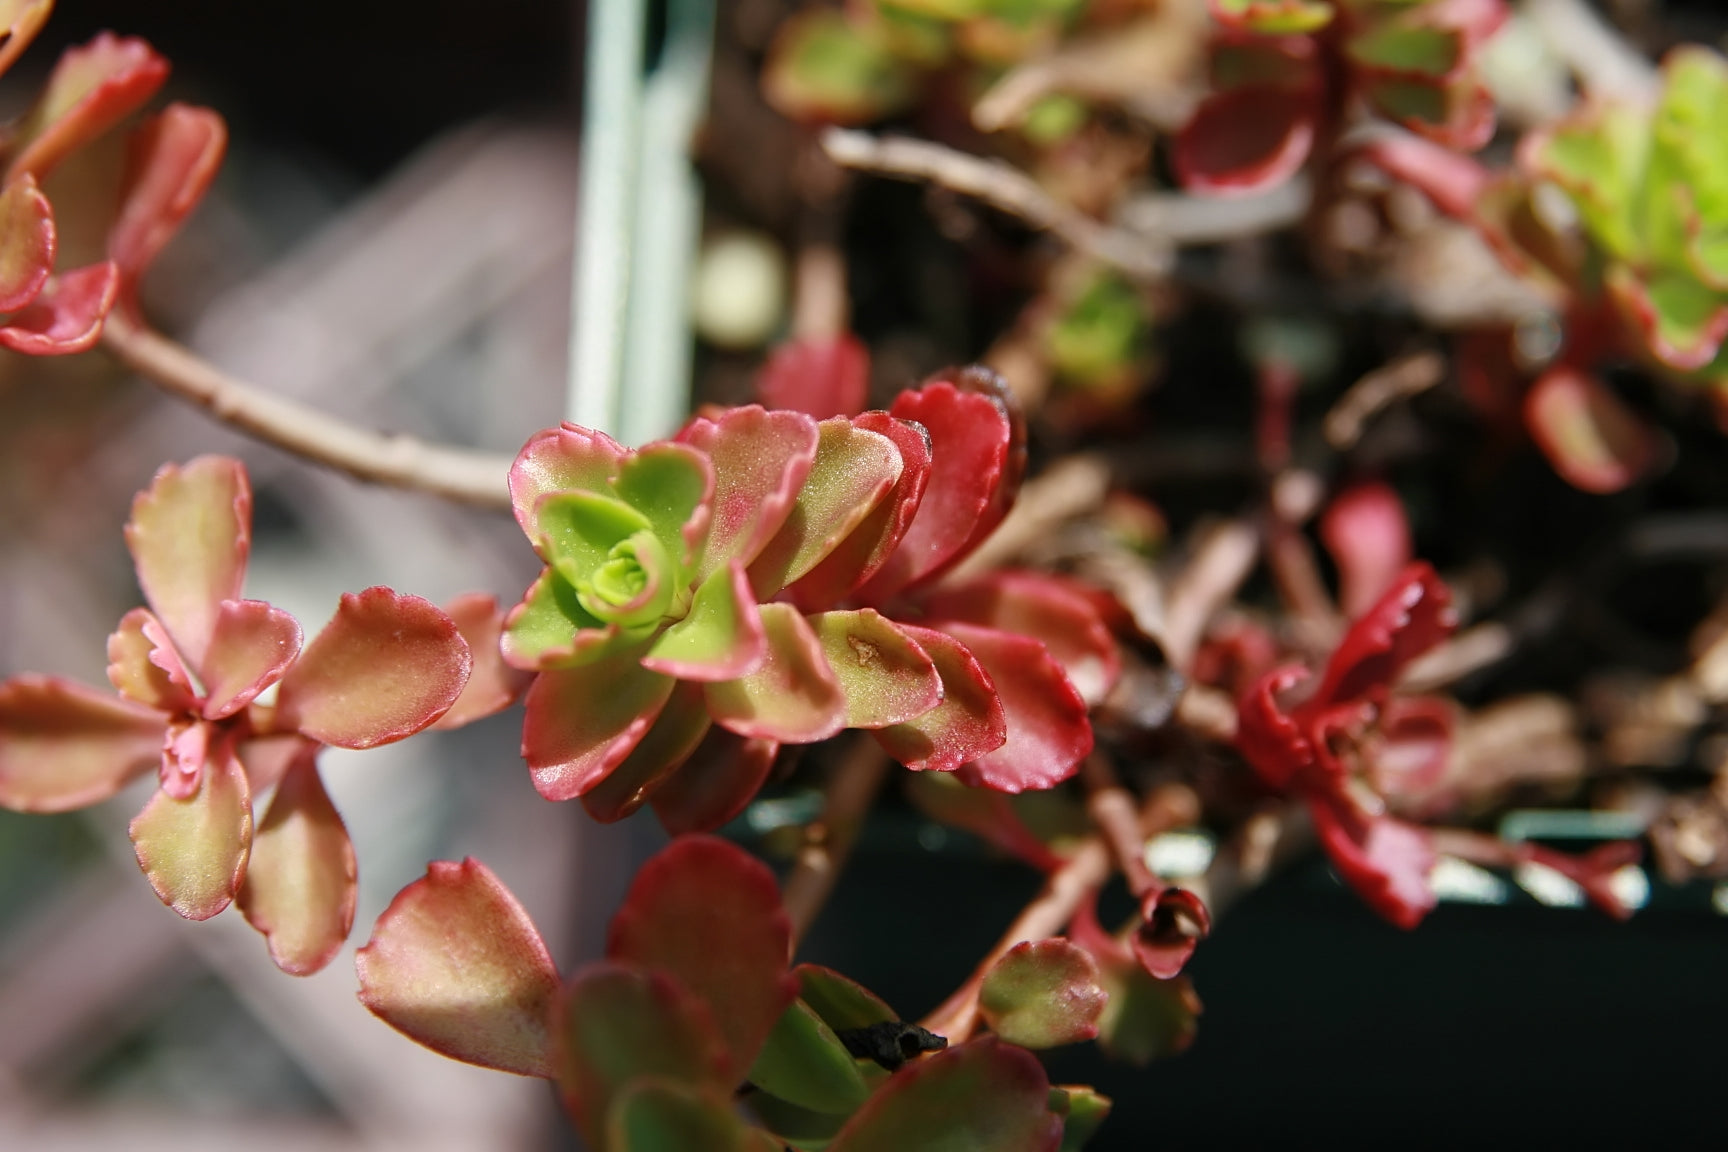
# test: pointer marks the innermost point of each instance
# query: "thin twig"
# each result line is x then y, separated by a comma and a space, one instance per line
1004, 188
1219, 562
1069, 489
1113, 813
1401, 378
828, 842
458, 474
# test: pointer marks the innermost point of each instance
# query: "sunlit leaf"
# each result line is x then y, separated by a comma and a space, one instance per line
300, 881
194, 851
65, 746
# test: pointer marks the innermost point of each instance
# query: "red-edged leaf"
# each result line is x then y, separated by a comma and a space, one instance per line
26, 243
492, 684
387, 666
1268, 738
618, 1025
91, 89
715, 784
985, 1096
967, 724
1368, 535
708, 914
721, 638
1594, 871
1246, 139
886, 677
190, 534
67, 315
1042, 994
1272, 17
580, 723
193, 851
1387, 861
171, 160
674, 736
20, 20
1682, 322
1593, 440
652, 1114
1173, 921
563, 459
456, 964
1043, 607
1414, 615
65, 746
793, 697
300, 882
970, 437
861, 555
143, 665
821, 376
251, 645
760, 461
1048, 732
1455, 183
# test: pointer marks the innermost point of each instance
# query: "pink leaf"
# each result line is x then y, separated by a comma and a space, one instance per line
26, 243
1173, 921
564, 459
792, 697
1042, 994
580, 723
190, 534
300, 882
984, 1096
721, 638
194, 851
67, 315
886, 677
1411, 746
91, 89
715, 784
386, 667
708, 914
1045, 608
251, 646
171, 160
1368, 535
456, 964
760, 461
1246, 139
1592, 439
492, 684
1267, 737
967, 724
676, 732
1048, 732
1414, 615
65, 746
143, 665
1455, 183
1387, 861
821, 376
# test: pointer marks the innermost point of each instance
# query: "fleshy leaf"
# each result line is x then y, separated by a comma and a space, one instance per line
669, 743
456, 964
821, 376
968, 723
1268, 738
793, 697
659, 1115
1458, 115
67, 315
1272, 17
20, 20
1172, 922
708, 914
839, 1001
853, 471
1387, 861
1245, 139
1599, 158
760, 461
715, 784
671, 484
1367, 533
26, 242
1048, 732
824, 68
300, 882
143, 666
1409, 47
568, 458
251, 645
886, 677
386, 667
581, 723
618, 1024
1045, 608
1683, 323
1082, 1110
802, 1129
1414, 615
721, 638
492, 684
804, 1063
1146, 1018
91, 89
190, 534
1411, 745
65, 746
549, 629
194, 851
1042, 994
984, 1096
171, 160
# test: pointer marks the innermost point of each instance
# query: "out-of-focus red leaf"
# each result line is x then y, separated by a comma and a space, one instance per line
984, 812
1173, 921
300, 881
65, 746
1414, 615
172, 159
492, 684
984, 1096
761, 459
1368, 535
249, 648
1387, 861
1410, 748
886, 677
1593, 871
456, 964
708, 914
26, 242
1046, 608
580, 723
1245, 139
715, 784
66, 316
820, 376
653, 1114
91, 89
1048, 731
194, 851
1593, 440
793, 697
1271, 741
675, 734
1455, 183
1042, 994
969, 722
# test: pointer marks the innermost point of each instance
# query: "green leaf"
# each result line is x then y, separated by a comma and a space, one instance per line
886, 676
1600, 160
793, 696
804, 1063
841, 1003
823, 68
1082, 1110
720, 638
984, 1096
670, 484
1396, 46
1042, 994
1145, 1018
805, 1130
656, 1115
578, 530
1273, 17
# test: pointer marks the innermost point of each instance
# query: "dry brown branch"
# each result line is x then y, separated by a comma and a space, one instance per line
1402, 378
828, 842
1219, 562
1067, 490
1004, 188
1113, 813
458, 474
